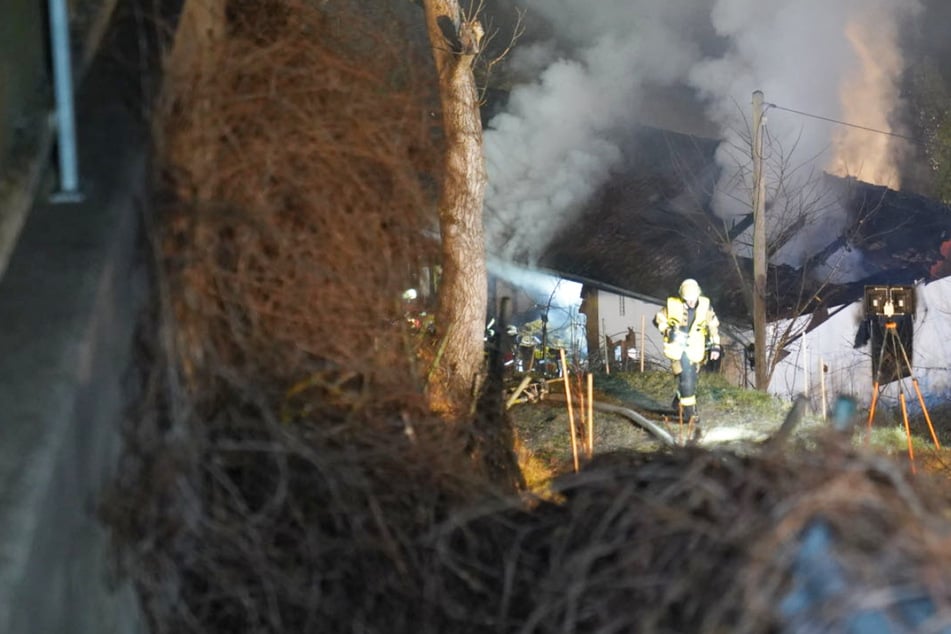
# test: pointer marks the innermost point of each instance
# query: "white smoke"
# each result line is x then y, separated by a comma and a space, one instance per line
802, 54
560, 135
558, 139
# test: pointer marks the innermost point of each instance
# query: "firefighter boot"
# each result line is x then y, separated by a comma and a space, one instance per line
692, 420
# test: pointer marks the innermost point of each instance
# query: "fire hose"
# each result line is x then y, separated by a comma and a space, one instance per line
645, 423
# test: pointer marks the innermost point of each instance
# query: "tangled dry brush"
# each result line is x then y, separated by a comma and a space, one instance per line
282, 474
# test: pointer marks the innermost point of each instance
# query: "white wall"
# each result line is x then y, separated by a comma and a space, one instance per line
617, 313
850, 370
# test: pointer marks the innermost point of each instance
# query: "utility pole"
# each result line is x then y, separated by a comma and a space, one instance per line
759, 245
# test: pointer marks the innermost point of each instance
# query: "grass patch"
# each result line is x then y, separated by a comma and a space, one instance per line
892, 440
652, 388
539, 468
715, 394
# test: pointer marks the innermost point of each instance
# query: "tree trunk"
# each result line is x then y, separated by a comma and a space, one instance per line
194, 58
463, 293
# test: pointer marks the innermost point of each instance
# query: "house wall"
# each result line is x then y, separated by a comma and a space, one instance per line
849, 370
591, 311
734, 365
519, 302
617, 313
532, 295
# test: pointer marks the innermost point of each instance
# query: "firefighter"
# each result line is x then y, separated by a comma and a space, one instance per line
690, 328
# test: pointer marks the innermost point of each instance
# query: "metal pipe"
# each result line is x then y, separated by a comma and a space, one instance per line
63, 93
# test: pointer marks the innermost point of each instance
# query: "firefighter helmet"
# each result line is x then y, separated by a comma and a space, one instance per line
690, 290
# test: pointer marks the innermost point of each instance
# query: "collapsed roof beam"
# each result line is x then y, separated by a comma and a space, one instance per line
737, 229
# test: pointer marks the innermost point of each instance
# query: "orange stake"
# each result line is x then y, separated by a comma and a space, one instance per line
924, 409
871, 410
904, 415
571, 413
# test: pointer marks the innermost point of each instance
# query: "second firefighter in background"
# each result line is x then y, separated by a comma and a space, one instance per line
690, 327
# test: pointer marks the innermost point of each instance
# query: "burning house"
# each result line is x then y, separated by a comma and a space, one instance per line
645, 232
580, 183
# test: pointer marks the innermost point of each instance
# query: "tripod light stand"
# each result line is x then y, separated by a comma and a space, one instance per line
889, 307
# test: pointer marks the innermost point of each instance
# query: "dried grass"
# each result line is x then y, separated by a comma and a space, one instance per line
701, 541
300, 167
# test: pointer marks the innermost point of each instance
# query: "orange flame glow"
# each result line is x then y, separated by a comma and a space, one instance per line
868, 99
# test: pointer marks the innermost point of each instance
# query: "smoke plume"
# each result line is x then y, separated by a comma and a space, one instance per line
585, 90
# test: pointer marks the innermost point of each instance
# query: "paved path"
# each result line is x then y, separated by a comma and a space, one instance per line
69, 299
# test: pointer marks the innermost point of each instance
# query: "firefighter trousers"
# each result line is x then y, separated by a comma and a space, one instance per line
687, 374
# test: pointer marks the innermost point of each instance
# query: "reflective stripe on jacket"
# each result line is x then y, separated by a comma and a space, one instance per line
691, 338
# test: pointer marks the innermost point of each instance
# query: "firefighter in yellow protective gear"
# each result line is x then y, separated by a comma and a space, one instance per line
690, 328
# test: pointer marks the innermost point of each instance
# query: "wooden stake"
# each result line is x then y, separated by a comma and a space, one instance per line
590, 416
643, 335
805, 365
583, 423
518, 391
571, 414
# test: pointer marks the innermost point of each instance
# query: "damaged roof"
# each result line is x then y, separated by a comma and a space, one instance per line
653, 225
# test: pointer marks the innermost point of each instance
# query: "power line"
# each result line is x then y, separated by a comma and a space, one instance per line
845, 123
